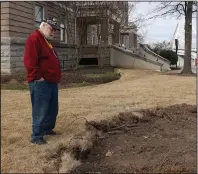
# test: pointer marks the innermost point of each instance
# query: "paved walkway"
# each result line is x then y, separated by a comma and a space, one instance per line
194, 69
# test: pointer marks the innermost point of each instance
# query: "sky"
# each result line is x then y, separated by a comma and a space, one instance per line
159, 29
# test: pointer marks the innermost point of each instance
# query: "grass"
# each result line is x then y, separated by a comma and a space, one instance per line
14, 82
77, 85
137, 89
19, 86
106, 74
13, 138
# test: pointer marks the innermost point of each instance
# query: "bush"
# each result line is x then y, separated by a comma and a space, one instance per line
170, 55
163, 49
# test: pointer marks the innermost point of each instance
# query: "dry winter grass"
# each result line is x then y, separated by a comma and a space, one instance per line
135, 90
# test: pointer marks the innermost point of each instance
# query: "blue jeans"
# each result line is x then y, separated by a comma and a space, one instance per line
44, 98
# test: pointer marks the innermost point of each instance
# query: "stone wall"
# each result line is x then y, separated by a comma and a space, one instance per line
147, 53
104, 57
12, 51
18, 21
12, 54
16, 28
67, 56
132, 60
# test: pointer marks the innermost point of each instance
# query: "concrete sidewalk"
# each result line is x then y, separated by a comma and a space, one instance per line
194, 69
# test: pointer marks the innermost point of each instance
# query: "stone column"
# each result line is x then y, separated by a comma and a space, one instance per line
135, 40
131, 40
104, 42
116, 38
121, 39
84, 35
13, 41
104, 31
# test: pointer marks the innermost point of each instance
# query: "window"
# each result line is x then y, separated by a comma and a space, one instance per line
111, 28
93, 33
39, 15
63, 32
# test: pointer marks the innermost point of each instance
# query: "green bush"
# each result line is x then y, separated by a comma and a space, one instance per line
170, 55
164, 49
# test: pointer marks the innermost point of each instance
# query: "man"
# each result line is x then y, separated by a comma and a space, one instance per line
43, 75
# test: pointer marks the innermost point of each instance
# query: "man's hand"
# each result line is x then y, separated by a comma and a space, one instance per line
41, 79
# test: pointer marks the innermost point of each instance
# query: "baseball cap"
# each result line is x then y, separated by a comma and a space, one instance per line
53, 22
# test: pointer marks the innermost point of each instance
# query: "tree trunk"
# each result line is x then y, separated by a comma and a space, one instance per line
188, 39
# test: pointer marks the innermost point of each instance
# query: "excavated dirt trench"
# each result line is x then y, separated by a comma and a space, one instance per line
155, 140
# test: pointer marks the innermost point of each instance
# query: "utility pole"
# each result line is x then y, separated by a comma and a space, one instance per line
196, 67
196, 48
176, 47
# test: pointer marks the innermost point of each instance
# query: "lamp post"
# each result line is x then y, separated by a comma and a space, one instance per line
176, 47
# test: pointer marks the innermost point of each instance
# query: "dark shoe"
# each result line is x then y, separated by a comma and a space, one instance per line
39, 141
51, 133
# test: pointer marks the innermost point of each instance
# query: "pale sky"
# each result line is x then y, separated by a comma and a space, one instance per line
159, 29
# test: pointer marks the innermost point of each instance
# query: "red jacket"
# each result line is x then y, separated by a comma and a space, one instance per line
40, 60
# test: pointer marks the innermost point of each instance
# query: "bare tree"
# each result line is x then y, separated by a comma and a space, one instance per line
120, 12
100, 14
177, 9
162, 45
76, 28
134, 18
141, 36
103, 12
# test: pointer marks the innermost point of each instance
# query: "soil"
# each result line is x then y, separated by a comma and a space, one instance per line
80, 77
88, 76
156, 140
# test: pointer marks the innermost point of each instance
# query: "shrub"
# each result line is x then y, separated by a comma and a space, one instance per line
170, 55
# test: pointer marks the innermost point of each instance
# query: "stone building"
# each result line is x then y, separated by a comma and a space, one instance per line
87, 31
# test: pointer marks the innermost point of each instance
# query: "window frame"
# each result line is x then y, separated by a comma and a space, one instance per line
93, 35
62, 31
42, 15
65, 36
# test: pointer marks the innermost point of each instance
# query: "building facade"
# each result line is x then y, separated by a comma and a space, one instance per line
87, 30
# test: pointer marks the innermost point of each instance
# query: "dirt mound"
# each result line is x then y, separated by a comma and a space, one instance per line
155, 140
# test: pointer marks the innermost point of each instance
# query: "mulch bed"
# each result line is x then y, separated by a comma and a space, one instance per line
81, 77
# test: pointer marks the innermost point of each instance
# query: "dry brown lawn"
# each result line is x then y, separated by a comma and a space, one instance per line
137, 89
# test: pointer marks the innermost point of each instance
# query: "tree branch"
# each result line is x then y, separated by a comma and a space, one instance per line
178, 10
182, 8
171, 8
169, 12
